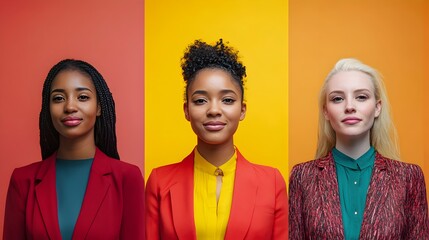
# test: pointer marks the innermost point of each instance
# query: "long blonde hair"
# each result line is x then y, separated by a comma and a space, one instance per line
383, 135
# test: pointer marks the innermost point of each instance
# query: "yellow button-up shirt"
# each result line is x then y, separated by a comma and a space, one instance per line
211, 213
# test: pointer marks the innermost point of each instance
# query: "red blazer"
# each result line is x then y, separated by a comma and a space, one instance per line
113, 206
258, 211
396, 204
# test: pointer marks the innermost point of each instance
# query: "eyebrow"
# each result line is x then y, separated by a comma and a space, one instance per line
79, 89
203, 92
357, 90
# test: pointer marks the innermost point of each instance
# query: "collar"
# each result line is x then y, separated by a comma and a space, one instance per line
362, 162
380, 162
205, 166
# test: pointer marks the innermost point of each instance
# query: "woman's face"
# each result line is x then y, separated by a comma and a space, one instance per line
214, 106
351, 107
73, 105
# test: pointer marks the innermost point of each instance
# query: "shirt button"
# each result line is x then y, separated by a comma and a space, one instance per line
355, 213
355, 182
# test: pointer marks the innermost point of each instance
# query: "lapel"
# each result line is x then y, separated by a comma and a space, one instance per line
329, 200
243, 199
46, 196
378, 192
99, 182
182, 199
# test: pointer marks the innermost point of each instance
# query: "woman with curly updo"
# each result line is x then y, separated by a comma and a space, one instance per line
215, 193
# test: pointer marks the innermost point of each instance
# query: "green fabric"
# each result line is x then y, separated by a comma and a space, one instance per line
353, 178
72, 178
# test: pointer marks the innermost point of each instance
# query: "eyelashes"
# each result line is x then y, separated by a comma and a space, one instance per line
61, 98
226, 101
339, 99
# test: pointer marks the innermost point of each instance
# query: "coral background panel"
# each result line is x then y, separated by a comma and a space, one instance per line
34, 35
391, 36
258, 29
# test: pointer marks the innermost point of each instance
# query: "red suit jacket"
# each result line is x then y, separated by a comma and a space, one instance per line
113, 206
396, 204
258, 210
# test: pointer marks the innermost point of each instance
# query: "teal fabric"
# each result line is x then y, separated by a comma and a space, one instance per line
353, 178
72, 179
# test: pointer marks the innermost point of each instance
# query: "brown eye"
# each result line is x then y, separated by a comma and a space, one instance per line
228, 101
57, 98
83, 98
199, 101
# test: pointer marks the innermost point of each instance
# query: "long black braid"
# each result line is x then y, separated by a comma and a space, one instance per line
105, 124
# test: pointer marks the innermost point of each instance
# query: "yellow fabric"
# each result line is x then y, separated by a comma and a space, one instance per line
211, 218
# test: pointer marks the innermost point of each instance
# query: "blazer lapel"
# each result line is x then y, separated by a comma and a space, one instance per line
243, 200
328, 195
182, 200
46, 196
378, 193
98, 185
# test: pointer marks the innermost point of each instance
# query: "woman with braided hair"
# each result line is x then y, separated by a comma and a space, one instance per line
215, 193
80, 190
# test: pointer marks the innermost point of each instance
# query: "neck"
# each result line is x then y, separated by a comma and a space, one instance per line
216, 154
353, 147
74, 149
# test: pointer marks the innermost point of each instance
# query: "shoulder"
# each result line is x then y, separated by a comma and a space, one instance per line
125, 171
27, 172
122, 166
261, 172
400, 168
167, 174
311, 166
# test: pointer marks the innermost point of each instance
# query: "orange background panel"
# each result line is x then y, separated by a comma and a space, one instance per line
37, 34
388, 35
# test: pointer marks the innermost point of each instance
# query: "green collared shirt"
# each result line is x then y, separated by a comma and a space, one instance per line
354, 176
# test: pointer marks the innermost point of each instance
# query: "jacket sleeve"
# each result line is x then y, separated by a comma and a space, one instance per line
14, 218
132, 226
417, 206
152, 208
280, 230
296, 223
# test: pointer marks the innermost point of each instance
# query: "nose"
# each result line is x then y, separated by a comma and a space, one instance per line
350, 107
214, 109
70, 106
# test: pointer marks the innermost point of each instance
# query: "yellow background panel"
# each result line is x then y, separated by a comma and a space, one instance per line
258, 29
389, 35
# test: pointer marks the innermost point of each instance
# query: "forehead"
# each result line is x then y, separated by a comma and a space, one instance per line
72, 79
212, 79
349, 81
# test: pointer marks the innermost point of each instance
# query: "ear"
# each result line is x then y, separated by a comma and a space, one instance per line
186, 110
325, 113
243, 111
98, 110
378, 107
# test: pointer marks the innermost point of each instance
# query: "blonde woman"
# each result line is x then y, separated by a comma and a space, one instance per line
356, 188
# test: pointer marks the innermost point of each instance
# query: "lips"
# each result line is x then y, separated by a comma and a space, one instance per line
351, 120
214, 125
71, 121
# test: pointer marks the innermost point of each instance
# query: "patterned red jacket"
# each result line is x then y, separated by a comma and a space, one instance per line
396, 204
